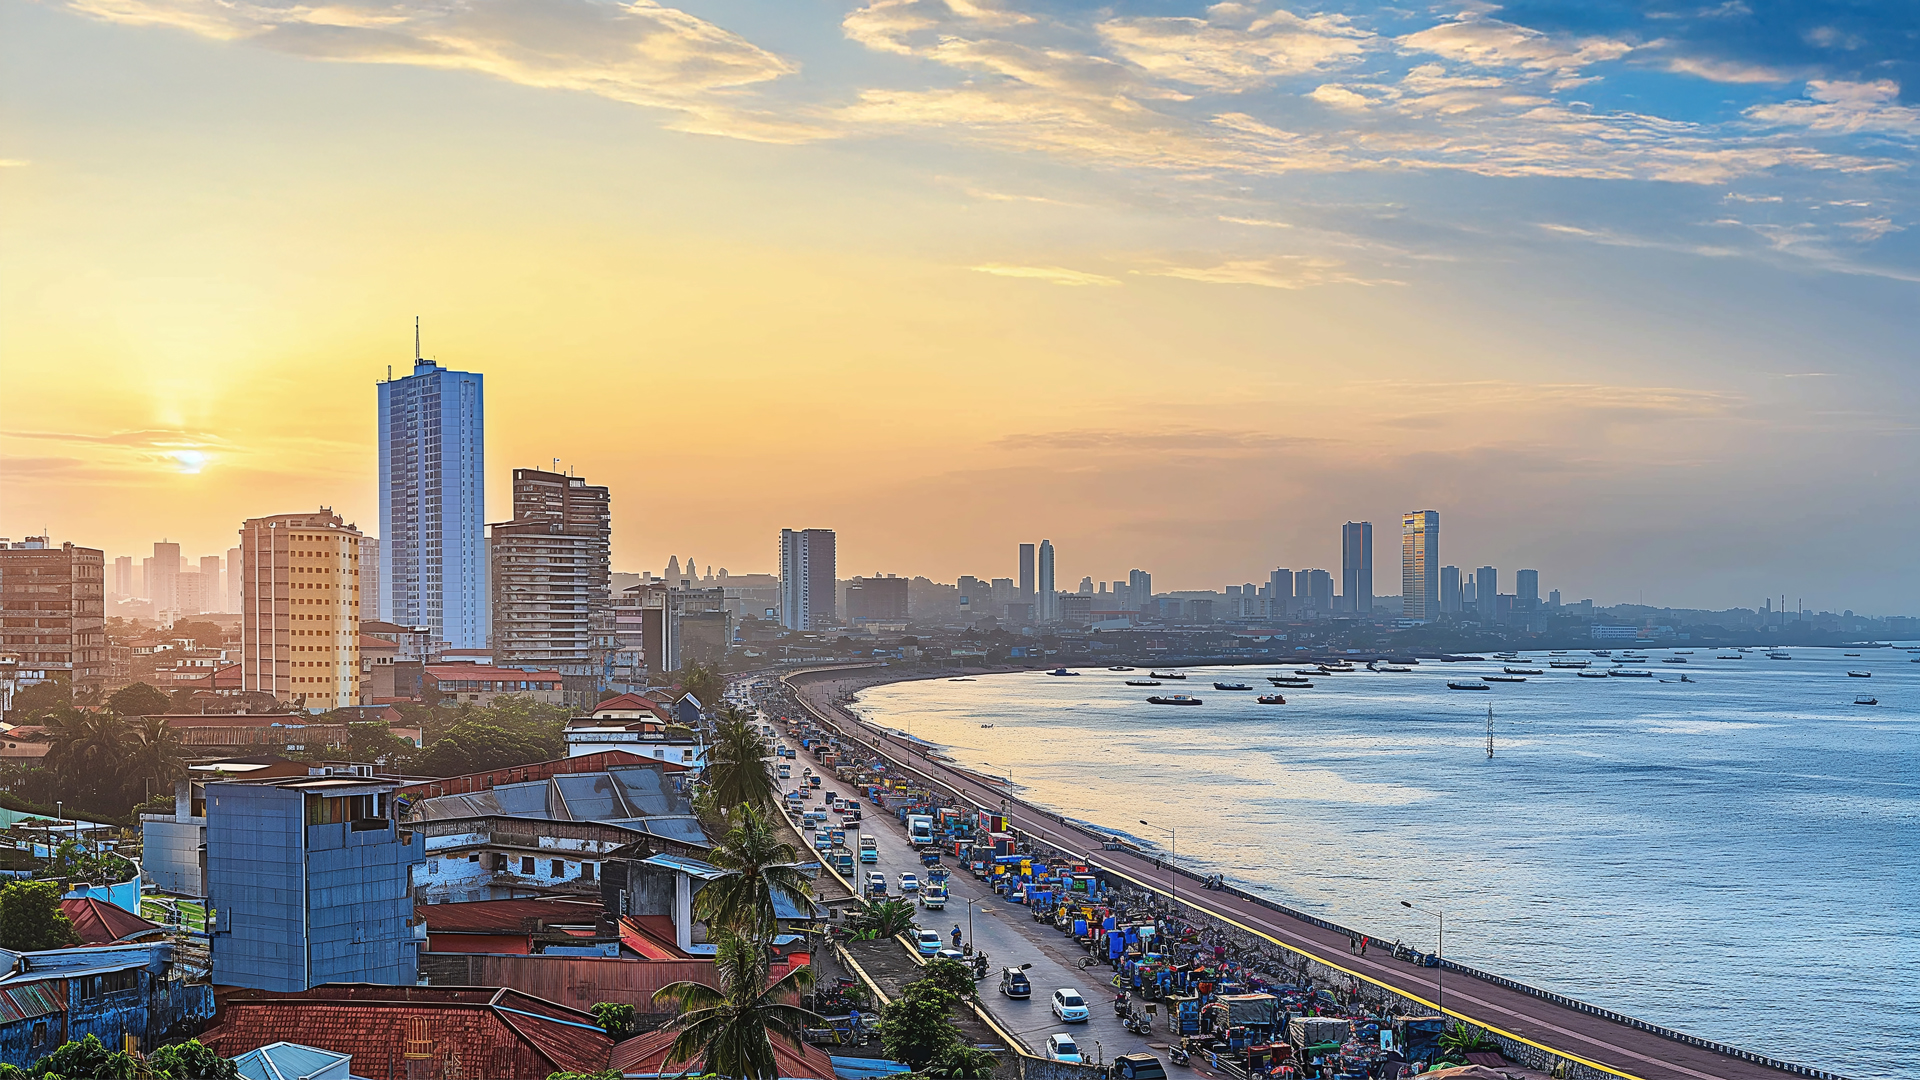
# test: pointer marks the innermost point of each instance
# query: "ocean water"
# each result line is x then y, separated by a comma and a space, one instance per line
1734, 857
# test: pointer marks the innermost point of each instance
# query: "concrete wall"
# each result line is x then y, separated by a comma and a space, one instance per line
360, 904
170, 853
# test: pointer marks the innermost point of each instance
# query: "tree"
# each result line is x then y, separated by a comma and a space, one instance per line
738, 772
952, 976
88, 1058
191, 1060
614, 1018
702, 681
759, 866
730, 1029
89, 751
139, 699
887, 918
374, 740
918, 1026
471, 746
962, 1062
154, 757
31, 919
37, 701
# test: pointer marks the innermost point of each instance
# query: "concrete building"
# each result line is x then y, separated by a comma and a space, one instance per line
53, 612
551, 575
123, 578
1356, 566
122, 994
300, 626
877, 599
479, 684
311, 880
1486, 593
1139, 590
807, 578
1026, 575
1526, 590
163, 577
1279, 593
1048, 596
373, 597
1420, 564
1313, 591
433, 547
237, 579
1451, 599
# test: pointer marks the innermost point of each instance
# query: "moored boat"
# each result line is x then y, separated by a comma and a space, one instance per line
1866, 699
1119, 667
1505, 678
1628, 673
1673, 659
1165, 675
1291, 682
1860, 674
1062, 671
1468, 686
1593, 674
1575, 664
1231, 686
1173, 699
1521, 670
1271, 699
1143, 682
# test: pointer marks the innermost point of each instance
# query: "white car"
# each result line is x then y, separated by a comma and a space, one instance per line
1061, 1047
909, 882
876, 883
1070, 1006
929, 942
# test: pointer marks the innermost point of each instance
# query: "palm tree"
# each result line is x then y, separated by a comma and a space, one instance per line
759, 866
738, 772
729, 1030
153, 754
88, 753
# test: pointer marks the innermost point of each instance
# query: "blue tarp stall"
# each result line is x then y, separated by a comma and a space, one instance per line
858, 1068
1108, 924
1115, 946
1079, 928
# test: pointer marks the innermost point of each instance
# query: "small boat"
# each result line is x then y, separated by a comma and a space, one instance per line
961, 680
1683, 652
1062, 671
1271, 699
1684, 678
986, 725
1119, 667
1173, 699
1850, 654
1575, 664
1779, 656
1859, 674
1165, 675
1330, 668
1593, 674
1521, 670
1505, 678
1625, 673
1291, 682
1392, 667
1866, 699
1730, 656
1231, 686
1556, 652
1602, 652
1673, 659
1468, 686
1143, 682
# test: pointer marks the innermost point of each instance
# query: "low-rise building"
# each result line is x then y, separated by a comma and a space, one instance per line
138, 995
479, 684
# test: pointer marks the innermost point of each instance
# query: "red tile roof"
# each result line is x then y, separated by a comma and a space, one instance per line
497, 1033
632, 703
100, 923
646, 1055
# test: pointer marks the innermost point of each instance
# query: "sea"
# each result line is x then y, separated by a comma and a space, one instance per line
1732, 856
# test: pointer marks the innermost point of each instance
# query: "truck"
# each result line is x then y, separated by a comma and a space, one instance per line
869, 850
842, 860
919, 829
933, 895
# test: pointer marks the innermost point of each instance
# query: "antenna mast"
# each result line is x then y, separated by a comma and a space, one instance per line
1489, 731
416, 339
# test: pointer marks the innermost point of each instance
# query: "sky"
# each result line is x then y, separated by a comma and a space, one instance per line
1628, 291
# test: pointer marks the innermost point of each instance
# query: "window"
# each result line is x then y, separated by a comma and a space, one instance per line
586, 871
39, 1033
526, 865
559, 869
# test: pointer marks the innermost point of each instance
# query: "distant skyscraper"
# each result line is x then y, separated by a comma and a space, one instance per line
237, 580
1086, 586
1420, 564
300, 624
1313, 591
163, 580
1553, 599
1526, 590
807, 579
215, 596
1139, 589
1486, 592
551, 578
1026, 574
1450, 589
1356, 565
373, 594
1049, 598
976, 596
433, 543
1279, 593
123, 576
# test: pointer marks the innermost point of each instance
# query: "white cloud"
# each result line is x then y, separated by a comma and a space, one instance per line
1338, 97
1491, 43
1236, 47
1867, 230
1724, 71
1845, 108
1053, 275
1278, 272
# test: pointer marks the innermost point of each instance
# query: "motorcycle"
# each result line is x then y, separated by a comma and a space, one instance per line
1138, 1023
1122, 1006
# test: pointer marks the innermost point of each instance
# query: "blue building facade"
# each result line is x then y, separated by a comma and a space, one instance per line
124, 995
433, 548
309, 880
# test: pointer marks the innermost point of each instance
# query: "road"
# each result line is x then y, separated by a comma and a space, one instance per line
1606, 1044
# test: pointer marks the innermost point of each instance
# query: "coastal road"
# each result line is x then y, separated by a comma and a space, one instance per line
1005, 931
1613, 1047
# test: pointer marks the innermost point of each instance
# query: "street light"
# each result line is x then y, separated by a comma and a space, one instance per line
970, 902
1176, 857
1441, 971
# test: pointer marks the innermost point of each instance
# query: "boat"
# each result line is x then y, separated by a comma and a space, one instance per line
1575, 664
1730, 656
1173, 699
1062, 671
1505, 678
1683, 652
1468, 686
986, 725
1859, 674
1593, 674
1556, 652
1673, 659
961, 680
1626, 673
1330, 668
1120, 667
1521, 670
1271, 699
1291, 682
1231, 686
1684, 677
1602, 652
1850, 654
1866, 699
1143, 682
1165, 675
1392, 667
1779, 656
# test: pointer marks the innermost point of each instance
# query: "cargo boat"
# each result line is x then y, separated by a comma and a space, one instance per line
1271, 699
1173, 699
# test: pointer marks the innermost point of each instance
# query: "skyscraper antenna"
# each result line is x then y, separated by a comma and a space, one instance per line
416, 339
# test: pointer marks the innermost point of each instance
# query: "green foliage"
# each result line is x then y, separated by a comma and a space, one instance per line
105, 764
191, 1060
739, 772
962, 1062
614, 1018
759, 866
729, 1029
75, 861
139, 699
952, 976
702, 681
917, 1027
477, 745
34, 703
30, 917
1466, 1039
603, 1074
887, 918
88, 1059
374, 741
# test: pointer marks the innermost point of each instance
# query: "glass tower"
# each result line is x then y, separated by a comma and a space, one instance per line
1420, 564
433, 545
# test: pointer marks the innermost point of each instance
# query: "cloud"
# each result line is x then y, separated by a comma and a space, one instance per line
1279, 272
1338, 97
1833, 107
1053, 275
1208, 441
1258, 222
1236, 47
1867, 230
1491, 43
1725, 71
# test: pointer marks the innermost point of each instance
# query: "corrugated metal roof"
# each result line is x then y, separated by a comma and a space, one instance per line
290, 1061
26, 1000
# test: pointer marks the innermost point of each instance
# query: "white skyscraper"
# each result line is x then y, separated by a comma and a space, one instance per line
1049, 598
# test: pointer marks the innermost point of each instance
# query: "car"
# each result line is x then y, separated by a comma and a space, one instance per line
1061, 1047
1070, 1006
928, 941
876, 883
1014, 984
1137, 1067
951, 953
909, 882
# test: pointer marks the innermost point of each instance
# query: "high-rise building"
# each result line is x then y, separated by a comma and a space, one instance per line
1356, 566
216, 597
237, 578
1553, 599
1086, 585
807, 578
1450, 598
1139, 590
1049, 598
877, 599
1313, 591
1486, 592
55, 599
550, 574
1420, 564
976, 596
163, 577
1026, 574
372, 593
433, 543
300, 623
1280, 593
123, 577
1526, 589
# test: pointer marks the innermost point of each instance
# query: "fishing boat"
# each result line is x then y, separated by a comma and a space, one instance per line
1328, 668
1231, 686
1779, 656
1468, 686
1119, 667
1730, 656
1521, 670
986, 725
1271, 699
961, 680
1173, 699
1574, 664
1850, 654
1165, 675
1143, 682
1684, 678
1602, 652
1626, 673
1392, 667
1062, 671
1859, 674
1556, 652
1593, 674
1866, 699
1505, 678
1683, 652
1292, 682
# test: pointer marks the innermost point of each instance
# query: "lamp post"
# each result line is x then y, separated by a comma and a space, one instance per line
1175, 835
1441, 971
970, 902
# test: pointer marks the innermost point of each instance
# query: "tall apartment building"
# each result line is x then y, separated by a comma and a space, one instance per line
1356, 566
877, 599
807, 579
237, 579
1450, 596
1313, 591
1026, 574
1526, 589
1139, 590
1486, 592
551, 573
1279, 593
1420, 564
163, 580
433, 544
371, 592
1049, 597
300, 622
214, 592
976, 596
53, 611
